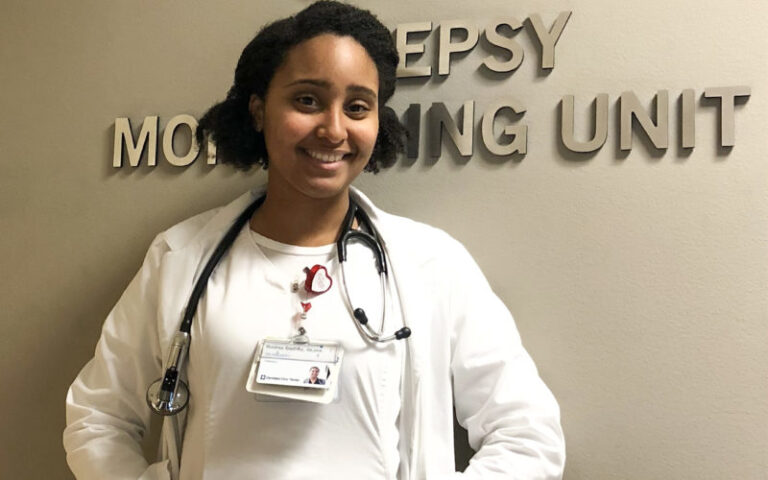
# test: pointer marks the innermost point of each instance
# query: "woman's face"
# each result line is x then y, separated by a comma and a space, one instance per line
320, 117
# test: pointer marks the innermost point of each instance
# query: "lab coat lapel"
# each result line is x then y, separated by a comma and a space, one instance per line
413, 309
404, 272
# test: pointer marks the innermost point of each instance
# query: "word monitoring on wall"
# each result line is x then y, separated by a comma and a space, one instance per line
458, 37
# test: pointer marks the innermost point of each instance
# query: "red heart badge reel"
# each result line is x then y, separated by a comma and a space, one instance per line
318, 280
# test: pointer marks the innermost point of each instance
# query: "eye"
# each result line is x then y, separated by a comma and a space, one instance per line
306, 101
358, 109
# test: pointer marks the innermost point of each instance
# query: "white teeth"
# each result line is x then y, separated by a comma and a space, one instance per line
325, 157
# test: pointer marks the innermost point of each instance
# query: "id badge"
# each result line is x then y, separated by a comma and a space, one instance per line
307, 372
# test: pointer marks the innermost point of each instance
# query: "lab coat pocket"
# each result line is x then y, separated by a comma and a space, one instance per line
157, 471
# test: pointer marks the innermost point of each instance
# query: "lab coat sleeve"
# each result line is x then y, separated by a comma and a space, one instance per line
512, 419
107, 414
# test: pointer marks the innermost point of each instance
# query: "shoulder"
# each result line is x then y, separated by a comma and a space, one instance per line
405, 237
181, 234
416, 234
399, 229
421, 245
205, 227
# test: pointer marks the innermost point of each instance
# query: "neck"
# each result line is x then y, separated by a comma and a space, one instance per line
303, 221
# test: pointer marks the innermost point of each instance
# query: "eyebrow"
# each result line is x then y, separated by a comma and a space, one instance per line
327, 85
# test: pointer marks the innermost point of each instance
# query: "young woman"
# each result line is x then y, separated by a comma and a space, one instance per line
309, 101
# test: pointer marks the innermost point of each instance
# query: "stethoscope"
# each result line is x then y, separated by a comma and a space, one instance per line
169, 395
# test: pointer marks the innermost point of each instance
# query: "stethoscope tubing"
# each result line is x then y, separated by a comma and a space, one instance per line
224, 245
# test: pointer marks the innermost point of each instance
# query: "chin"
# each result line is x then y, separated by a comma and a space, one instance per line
322, 190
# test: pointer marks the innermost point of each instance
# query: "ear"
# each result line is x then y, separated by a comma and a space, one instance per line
256, 107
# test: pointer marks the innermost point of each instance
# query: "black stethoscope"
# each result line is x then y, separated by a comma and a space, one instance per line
169, 395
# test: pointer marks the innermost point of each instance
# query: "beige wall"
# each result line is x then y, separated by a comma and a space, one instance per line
638, 281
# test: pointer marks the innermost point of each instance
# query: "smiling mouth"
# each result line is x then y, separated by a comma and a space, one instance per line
326, 157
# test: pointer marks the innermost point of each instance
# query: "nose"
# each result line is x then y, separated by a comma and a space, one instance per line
332, 127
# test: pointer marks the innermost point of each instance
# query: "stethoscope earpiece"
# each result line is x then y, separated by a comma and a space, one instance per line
360, 315
404, 332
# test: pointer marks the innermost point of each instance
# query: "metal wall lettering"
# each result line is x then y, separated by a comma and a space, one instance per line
404, 49
447, 47
567, 124
519, 133
440, 119
548, 38
658, 131
455, 38
413, 126
654, 122
509, 44
124, 136
148, 140
727, 96
210, 152
687, 119
168, 134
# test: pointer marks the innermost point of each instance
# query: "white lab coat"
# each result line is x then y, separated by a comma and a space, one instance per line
465, 349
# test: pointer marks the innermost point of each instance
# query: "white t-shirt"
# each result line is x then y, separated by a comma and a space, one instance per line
249, 297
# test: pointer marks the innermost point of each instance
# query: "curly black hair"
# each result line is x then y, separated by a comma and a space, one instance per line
229, 123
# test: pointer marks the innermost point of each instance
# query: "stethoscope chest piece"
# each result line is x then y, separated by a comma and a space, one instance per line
167, 403
169, 394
